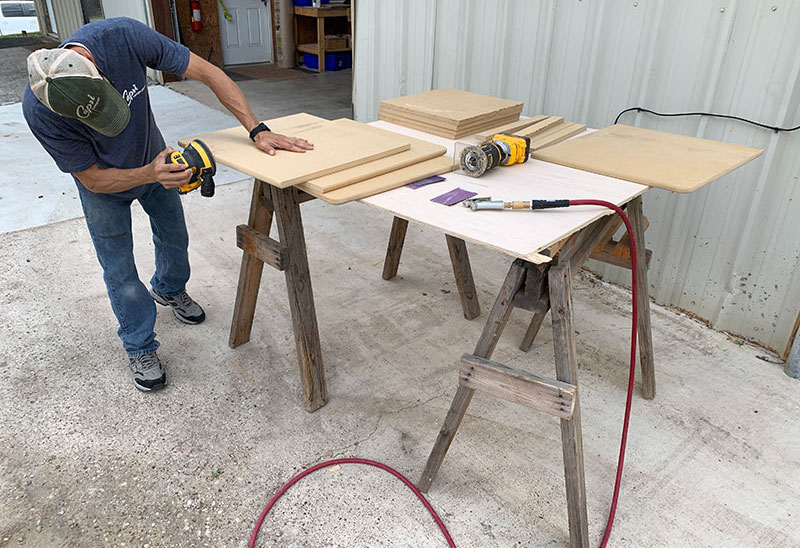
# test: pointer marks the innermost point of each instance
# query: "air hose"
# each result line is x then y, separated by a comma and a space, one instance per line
534, 204
333, 462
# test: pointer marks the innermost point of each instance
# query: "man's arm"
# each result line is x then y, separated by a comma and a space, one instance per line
117, 180
232, 97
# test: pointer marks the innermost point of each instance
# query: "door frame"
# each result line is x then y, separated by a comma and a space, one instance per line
163, 21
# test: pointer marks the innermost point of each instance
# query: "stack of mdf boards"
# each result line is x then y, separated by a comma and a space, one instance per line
449, 113
457, 114
350, 160
543, 131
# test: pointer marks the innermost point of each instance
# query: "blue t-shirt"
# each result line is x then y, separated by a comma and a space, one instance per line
122, 49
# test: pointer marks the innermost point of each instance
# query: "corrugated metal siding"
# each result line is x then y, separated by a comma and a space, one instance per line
68, 15
730, 252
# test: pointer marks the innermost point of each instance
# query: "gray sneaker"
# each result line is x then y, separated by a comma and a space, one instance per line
183, 306
148, 373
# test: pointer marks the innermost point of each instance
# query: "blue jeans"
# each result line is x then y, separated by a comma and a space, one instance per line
108, 217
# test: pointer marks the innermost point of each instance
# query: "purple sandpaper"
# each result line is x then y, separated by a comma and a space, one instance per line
422, 182
454, 196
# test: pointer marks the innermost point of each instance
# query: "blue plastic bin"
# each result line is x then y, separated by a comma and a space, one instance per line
307, 3
333, 61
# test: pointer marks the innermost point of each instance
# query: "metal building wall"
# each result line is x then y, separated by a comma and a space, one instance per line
68, 16
730, 252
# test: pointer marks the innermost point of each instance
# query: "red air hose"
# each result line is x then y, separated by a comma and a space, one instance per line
626, 421
632, 372
325, 464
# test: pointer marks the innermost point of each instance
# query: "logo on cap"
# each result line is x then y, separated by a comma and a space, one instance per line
84, 111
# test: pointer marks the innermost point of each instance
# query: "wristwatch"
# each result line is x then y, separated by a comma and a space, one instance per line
258, 129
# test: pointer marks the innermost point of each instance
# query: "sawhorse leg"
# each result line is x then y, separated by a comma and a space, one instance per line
463, 274
289, 255
244, 307
636, 215
497, 320
571, 436
395, 248
458, 257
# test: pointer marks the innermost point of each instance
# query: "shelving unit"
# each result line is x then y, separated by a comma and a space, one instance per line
310, 27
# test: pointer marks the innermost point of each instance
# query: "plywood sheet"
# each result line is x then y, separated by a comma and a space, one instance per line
419, 152
518, 233
512, 127
452, 105
338, 145
464, 132
382, 183
655, 158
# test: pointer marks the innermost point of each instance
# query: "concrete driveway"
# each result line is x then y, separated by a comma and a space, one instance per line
86, 460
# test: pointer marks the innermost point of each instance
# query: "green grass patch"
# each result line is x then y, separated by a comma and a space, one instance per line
20, 35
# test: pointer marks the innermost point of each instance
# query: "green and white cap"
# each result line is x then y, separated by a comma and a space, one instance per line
69, 84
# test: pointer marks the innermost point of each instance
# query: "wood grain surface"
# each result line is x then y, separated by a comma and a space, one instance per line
522, 234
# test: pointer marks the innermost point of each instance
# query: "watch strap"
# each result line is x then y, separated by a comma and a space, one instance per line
258, 129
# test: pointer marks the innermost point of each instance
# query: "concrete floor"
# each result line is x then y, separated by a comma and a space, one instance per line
13, 74
86, 460
29, 199
328, 94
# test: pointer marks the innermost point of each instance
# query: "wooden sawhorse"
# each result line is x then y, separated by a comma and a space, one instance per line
289, 255
539, 288
458, 257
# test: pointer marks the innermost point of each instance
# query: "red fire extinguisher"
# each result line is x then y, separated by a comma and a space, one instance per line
197, 22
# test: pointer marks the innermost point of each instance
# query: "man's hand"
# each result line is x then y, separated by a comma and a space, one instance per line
268, 142
169, 175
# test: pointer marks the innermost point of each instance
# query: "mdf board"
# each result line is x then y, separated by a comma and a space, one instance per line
340, 144
559, 133
285, 125
382, 183
448, 134
452, 106
513, 127
419, 152
473, 127
478, 125
483, 122
655, 158
540, 127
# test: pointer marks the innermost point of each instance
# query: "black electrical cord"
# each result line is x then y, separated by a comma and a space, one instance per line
729, 117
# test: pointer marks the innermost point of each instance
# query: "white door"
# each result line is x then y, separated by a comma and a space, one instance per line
247, 36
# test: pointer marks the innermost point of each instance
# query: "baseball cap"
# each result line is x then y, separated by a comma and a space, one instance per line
69, 84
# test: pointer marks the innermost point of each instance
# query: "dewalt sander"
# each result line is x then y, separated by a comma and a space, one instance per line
198, 158
503, 150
